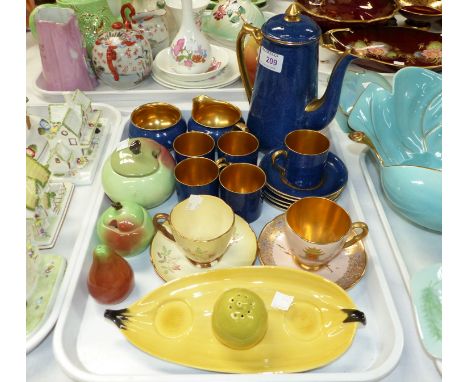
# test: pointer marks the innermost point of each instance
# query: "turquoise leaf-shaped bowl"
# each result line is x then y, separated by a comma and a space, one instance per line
354, 83
403, 128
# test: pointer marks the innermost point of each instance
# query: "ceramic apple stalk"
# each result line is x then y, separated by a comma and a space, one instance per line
190, 49
110, 278
126, 228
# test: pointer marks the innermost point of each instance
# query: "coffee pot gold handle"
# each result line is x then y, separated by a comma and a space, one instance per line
247, 29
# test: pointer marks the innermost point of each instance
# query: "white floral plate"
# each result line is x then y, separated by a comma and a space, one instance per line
164, 63
170, 263
229, 75
426, 293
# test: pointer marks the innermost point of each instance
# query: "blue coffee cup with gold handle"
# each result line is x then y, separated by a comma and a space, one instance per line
302, 161
238, 147
197, 176
159, 121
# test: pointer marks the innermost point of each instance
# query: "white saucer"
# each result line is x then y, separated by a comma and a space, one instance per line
164, 63
170, 263
229, 75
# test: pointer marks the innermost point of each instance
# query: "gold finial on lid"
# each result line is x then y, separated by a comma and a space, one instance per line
293, 13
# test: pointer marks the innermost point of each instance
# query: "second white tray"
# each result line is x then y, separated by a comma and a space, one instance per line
90, 348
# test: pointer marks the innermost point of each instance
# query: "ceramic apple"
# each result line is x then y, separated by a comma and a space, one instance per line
140, 171
126, 228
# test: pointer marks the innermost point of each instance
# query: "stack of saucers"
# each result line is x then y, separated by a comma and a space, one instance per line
222, 72
279, 192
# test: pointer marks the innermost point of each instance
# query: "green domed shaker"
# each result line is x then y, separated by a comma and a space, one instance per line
140, 170
125, 227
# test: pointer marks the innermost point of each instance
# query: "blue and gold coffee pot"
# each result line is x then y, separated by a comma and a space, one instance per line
284, 96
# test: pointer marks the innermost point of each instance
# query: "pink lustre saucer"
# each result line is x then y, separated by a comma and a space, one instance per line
346, 269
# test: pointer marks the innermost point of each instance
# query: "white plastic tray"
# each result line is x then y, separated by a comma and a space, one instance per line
67, 241
90, 348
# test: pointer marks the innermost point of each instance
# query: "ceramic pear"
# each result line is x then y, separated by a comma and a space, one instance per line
141, 171
110, 278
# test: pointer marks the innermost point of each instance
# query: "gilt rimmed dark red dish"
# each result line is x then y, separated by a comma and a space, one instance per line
387, 49
330, 14
420, 13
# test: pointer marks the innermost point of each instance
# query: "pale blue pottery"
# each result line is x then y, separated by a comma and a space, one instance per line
405, 128
354, 84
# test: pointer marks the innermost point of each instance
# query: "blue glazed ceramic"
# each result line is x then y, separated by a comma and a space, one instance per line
238, 147
197, 176
284, 96
215, 117
354, 84
404, 130
335, 176
158, 121
183, 191
241, 187
305, 155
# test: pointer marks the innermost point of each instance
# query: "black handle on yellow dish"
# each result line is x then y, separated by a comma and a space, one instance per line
119, 317
354, 315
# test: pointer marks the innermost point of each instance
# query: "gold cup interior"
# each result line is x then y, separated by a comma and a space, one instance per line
238, 143
242, 178
307, 142
155, 116
193, 144
217, 115
318, 220
196, 171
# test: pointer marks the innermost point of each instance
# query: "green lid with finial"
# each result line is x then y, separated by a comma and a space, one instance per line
137, 159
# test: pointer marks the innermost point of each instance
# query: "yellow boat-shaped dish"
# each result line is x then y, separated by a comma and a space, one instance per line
173, 322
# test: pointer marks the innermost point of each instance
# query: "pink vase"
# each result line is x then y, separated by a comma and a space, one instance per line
64, 59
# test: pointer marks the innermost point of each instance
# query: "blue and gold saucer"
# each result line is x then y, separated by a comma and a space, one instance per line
333, 182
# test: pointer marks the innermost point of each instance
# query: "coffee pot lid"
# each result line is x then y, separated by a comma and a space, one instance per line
135, 158
292, 27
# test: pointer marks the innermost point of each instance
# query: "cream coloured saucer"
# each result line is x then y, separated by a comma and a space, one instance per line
170, 263
346, 269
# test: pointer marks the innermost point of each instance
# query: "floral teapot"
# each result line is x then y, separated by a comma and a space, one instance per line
284, 96
140, 170
148, 20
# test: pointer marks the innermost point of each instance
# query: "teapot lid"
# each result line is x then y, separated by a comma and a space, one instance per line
135, 158
292, 27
